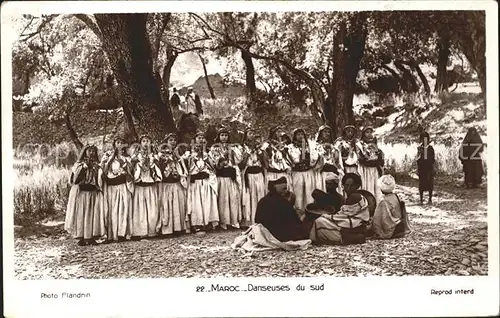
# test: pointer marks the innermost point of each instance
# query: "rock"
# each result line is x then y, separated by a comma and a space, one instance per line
481, 247
463, 272
466, 261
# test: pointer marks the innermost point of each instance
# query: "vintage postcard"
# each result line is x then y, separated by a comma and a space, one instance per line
250, 158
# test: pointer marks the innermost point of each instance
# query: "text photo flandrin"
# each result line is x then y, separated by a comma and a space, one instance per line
245, 144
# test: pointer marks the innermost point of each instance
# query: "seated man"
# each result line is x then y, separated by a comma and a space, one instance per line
348, 225
276, 213
389, 220
328, 202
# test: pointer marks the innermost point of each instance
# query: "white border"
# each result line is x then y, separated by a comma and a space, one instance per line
374, 296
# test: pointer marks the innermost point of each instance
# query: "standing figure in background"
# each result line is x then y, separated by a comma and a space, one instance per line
277, 161
333, 166
202, 194
85, 219
252, 167
347, 145
172, 189
145, 215
425, 167
118, 191
175, 100
371, 162
228, 180
304, 166
470, 156
193, 103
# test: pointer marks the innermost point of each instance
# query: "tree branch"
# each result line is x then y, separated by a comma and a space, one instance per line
26, 37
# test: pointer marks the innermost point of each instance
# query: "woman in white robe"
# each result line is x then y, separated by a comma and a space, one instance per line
145, 215
252, 170
202, 204
85, 219
332, 162
277, 161
228, 181
118, 191
347, 144
371, 162
305, 166
172, 190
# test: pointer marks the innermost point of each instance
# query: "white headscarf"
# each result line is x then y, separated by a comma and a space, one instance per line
386, 183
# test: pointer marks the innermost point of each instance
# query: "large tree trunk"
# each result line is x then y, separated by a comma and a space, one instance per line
167, 70
443, 56
249, 74
126, 43
472, 40
348, 49
210, 89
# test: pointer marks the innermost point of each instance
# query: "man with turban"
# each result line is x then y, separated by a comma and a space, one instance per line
276, 213
389, 220
348, 225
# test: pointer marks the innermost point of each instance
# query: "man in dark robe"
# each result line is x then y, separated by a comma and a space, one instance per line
276, 213
175, 101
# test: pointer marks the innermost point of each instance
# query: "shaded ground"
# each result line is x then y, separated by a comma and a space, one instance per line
448, 238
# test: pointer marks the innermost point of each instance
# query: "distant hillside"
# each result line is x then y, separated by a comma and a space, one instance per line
220, 87
395, 121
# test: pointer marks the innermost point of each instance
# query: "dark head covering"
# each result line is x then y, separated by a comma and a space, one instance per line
472, 144
363, 133
295, 132
123, 149
144, 137
472, 137
286, 139
222, 130
424, 135
320, 131
273, 132
168, 136
83, 154
272, 183
354, 176
349, 127
245, 135
199, 132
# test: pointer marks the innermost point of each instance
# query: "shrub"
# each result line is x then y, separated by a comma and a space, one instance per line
40, 194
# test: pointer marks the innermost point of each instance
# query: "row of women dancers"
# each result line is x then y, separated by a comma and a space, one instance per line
152, 191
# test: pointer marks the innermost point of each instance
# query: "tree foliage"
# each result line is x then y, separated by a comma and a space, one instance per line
311, 59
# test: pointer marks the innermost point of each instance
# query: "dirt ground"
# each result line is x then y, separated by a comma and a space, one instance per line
448, 238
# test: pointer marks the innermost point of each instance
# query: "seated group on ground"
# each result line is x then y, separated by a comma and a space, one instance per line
332, 218
332, 186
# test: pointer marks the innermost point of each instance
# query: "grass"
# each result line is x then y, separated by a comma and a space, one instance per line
40, 192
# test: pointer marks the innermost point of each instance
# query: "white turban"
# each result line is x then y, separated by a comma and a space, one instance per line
386, 183
329, 176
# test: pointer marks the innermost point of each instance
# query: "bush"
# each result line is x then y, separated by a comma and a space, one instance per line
41, 194
402, 158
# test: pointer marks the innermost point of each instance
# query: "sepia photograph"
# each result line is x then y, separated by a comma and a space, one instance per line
249, 144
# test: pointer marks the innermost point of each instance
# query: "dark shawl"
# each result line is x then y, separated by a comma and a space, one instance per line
278, 215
